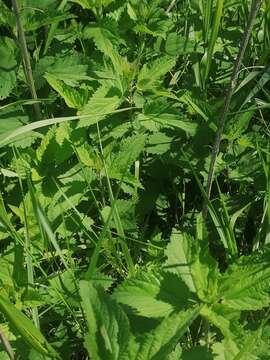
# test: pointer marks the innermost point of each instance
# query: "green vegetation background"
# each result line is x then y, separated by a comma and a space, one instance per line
104, 158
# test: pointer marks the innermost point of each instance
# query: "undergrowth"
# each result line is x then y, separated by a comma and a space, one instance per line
108, 118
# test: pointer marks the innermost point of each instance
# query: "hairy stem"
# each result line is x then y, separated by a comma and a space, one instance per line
26, 58
6, 345
173, 2
233, 81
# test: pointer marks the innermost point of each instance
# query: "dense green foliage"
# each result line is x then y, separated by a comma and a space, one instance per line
104, 250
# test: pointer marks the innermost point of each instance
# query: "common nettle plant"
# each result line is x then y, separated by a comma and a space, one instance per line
135, 179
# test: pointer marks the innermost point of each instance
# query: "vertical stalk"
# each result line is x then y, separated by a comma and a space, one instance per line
6, 345
26, 58
232, 85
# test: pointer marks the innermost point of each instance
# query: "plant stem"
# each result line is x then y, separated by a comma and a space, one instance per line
170, 7
233, 81
26, 58
6, 345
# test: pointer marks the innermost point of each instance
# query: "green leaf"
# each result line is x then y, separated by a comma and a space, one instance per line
189, 258
8, 66
74, 98
105, 100
108, 327
39, 20
161, 341
246, 283
153, 295
160, 114
31, 335
223, 317
107, 43
7, 18
90, 4
68, 69
123, 156
151, 73
225, 350
179, 258
52, 149
176, 45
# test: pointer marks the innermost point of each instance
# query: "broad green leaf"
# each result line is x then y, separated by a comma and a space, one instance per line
31, 335
8, 66
7, 17
14, 117
74, 98
123, 156
51, 149
105, 100
153, 295
68, 69
107, 43
189, 258
155, 28
225, 350
40, 20
11, 137
222, 317
158, 115
150, 74
177, 45
246, 283
179, 258
161, 341
90, 4
108, 327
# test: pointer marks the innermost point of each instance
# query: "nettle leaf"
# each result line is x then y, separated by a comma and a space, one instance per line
225, 350
108, 326
7, 17
248, 344
8, 65
74, 98
90, 4
159, 115
33, 20
179, 257
55, 146
158, 143
176, 45
223, 317
153, 295
150, 18
246, 283
190, 259
155, 27
150, 75
89, 157
107, 42
69, 69
104, 101
12, 118
161, 341
123, 156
